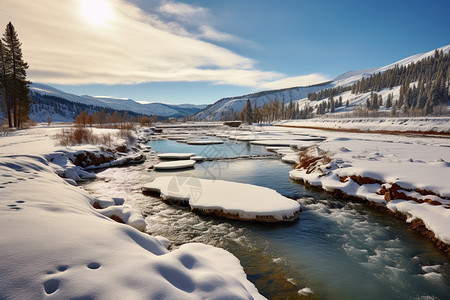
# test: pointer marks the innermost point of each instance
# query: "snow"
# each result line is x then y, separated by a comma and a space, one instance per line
408, 164
436, 218
411, 162
55, 244
424, 124
172, 165
248, 202
305, 292
175, 155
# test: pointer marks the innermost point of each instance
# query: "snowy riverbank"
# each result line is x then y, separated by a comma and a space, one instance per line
55, 243
405, 174
434, 125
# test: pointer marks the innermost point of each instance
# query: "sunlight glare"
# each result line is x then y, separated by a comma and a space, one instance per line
97, 12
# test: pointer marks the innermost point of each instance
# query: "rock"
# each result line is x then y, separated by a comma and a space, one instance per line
122, 148
117, 219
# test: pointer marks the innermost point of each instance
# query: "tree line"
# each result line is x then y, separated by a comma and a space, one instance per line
424, 85
69, 109
114, 119
14, 91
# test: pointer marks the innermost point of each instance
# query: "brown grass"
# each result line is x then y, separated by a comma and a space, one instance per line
81, 135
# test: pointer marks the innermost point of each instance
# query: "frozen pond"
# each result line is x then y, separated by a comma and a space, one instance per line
337, 249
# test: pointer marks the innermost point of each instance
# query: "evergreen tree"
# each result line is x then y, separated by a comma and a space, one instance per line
4, 77
290, 109
249, 112
389, 101
18, 90
332, 105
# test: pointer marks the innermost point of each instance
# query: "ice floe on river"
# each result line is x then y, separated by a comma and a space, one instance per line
175, 165
175, 155
224, 198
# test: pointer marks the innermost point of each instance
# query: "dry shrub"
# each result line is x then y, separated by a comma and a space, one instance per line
105, 139
4, 130
81, 135
126, 132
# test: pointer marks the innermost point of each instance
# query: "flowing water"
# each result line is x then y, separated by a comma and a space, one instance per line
337, 250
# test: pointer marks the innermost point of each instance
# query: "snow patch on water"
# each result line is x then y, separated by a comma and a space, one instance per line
305, 292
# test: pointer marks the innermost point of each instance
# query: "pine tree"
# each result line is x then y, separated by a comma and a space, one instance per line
332, 105
19, 90
249, 112
389, 101
4, 77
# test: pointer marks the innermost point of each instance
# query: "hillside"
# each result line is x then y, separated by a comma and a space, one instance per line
226, 107
40, 110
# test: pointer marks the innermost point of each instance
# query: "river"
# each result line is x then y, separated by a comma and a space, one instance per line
338, 249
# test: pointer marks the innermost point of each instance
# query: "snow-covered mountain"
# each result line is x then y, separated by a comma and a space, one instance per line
155, 108
226, 106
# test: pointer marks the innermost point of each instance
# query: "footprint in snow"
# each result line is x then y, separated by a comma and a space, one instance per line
93, 265
14, 207
62, 268
51, 286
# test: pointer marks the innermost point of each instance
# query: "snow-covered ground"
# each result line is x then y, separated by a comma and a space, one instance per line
54, 243
425, 124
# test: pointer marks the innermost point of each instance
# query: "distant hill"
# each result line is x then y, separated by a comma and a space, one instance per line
224, 108
60, 106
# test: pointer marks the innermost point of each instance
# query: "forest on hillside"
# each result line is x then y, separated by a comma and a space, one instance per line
424, 90
424, 86
53, 105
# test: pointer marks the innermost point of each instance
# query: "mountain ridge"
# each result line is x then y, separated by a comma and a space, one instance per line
151, 109
226, 106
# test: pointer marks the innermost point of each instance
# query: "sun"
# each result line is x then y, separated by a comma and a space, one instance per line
97, 12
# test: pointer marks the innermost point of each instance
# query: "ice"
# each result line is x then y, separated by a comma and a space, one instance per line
305, 292
172, 165
235, 200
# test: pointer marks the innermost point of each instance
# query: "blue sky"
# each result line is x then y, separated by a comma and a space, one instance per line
200, 51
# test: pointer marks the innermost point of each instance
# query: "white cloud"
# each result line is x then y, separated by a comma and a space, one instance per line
182, 10
303, 80
132, 46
